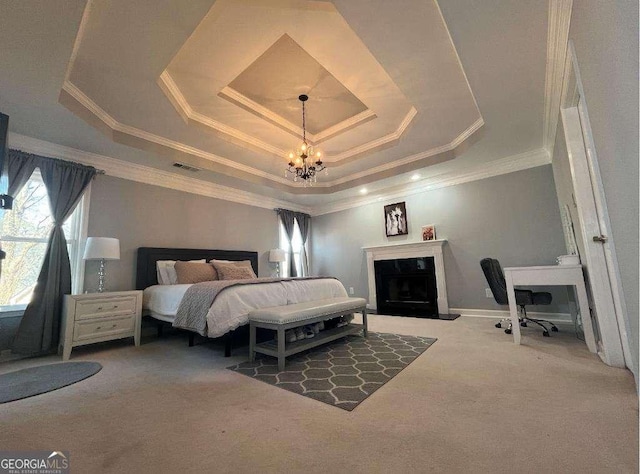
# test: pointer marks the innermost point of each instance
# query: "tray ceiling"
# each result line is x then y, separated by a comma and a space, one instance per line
222, 92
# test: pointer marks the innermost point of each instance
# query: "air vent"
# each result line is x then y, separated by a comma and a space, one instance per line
186, 167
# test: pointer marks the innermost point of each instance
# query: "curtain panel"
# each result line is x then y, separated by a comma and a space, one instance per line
288, 221
304, 222
65, 182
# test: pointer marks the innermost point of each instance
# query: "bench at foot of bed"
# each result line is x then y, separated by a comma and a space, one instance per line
282, 318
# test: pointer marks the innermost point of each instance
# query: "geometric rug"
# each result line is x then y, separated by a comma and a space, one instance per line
44, 378
342, 373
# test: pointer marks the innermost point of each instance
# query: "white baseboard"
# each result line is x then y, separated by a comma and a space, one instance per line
502, 313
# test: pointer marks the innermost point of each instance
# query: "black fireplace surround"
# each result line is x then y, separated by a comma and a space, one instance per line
407, 287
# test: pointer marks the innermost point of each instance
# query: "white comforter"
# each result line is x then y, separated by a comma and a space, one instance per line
232, 306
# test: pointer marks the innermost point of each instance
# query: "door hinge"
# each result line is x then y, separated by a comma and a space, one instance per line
600, 238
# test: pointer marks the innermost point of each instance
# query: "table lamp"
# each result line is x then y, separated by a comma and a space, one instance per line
102, 248
276, 256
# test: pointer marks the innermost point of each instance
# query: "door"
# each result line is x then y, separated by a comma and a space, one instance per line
601, 272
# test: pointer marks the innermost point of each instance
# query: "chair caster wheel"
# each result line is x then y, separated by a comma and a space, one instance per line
498, 325
546, 334
554, 329
524, 325
507, 331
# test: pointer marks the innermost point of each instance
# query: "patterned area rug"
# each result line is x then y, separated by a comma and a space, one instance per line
342, 373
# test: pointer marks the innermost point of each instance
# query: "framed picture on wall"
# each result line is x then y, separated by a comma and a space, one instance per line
395, 218
429, 232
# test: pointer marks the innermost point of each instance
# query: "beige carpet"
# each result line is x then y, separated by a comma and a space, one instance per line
474, 402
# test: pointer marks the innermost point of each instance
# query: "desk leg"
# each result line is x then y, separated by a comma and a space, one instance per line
513, 309
585, 313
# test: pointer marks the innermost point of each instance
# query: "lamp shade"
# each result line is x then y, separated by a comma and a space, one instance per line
277, 255
98, 248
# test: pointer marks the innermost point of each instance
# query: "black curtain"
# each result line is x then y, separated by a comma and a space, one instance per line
39, 329
304, 221
288, 221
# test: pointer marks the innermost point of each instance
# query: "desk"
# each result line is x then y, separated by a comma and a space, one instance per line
549, 276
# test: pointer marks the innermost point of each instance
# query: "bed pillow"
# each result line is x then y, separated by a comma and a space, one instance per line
237, 263
232, 271
195, 272
166, 272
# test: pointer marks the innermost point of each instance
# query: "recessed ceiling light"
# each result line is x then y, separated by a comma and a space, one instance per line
415, 177
363, 191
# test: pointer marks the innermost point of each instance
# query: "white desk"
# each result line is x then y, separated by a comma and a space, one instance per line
552, 275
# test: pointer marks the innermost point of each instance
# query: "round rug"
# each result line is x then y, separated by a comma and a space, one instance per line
44, 378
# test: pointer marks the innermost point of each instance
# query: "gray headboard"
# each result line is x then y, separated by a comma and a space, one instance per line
148, 256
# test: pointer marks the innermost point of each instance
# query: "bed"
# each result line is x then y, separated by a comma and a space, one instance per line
173, 304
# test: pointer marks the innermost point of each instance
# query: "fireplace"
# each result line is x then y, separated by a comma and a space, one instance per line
407, 287
429, 253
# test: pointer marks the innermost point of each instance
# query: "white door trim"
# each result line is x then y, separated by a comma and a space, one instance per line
605, 285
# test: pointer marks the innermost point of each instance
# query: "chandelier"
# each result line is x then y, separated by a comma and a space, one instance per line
301, 162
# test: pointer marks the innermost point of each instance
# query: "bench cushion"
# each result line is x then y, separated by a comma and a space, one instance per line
303, 311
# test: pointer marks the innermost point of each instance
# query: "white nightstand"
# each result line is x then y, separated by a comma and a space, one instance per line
98, 317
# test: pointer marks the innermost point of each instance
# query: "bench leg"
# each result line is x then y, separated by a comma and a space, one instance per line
252, 342
281, 346
365, 331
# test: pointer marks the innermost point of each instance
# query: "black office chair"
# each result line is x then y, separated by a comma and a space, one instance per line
493, 273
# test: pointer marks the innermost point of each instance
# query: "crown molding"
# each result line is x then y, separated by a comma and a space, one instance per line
371, 146
506, 165
409, 159
116, 126
145, 174
180, 103
155, 140
243, 101
559, 20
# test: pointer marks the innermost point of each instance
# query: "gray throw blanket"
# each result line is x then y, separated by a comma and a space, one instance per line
197, 300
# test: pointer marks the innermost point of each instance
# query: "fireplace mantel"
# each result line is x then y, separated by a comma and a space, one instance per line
429, 248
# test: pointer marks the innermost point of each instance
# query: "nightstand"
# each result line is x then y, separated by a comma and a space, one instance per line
98, 317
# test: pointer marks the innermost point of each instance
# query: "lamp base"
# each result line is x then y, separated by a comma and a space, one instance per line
101, 275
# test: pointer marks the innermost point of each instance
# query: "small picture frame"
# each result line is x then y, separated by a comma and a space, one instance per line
395, 219
428, 232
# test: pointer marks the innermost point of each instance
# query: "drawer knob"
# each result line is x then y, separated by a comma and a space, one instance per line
114, 326
99, 327
100, 308
115, 306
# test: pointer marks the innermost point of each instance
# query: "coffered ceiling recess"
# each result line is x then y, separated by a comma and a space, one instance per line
216, 85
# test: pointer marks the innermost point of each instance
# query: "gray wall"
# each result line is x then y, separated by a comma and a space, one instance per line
142, 215
513, 217
605, 35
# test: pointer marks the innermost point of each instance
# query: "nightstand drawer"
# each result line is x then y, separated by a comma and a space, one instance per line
104, 327
99, 308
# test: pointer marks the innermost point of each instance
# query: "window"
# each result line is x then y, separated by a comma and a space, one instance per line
297, 247
24, 232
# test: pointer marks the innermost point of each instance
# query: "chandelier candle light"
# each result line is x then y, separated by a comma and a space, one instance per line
301, 162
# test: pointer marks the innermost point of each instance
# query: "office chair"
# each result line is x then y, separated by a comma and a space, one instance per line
493, 273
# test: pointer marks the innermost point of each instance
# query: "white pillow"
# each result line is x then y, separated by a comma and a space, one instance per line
166, 272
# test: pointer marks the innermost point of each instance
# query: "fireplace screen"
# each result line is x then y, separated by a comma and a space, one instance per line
407, 287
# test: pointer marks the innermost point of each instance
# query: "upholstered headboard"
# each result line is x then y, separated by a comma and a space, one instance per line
148, 256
